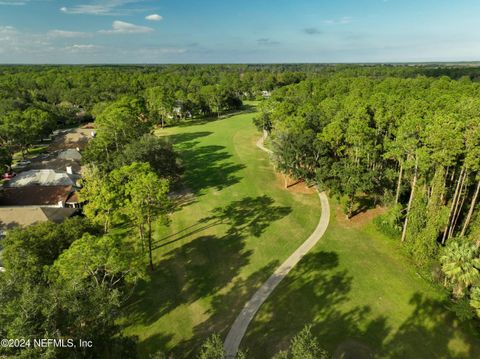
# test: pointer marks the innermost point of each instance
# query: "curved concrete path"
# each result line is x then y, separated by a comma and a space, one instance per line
239, 327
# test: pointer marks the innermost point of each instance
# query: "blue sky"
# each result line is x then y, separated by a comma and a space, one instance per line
228, 31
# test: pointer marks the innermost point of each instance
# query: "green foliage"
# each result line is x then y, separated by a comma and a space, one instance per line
45, 277
303, 346
28, 250
418, 242
107, 261
119, 124
462, 308
389, 223
212, 348
460, 261
153, 150
134, 193
475, 300
6, 158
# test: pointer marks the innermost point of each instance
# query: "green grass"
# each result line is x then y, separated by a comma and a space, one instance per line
361, 295
223, 241
357, 288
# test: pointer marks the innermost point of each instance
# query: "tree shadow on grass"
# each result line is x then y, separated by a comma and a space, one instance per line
154, 345
249, 216
427, 333
181, 138
317, 292
246, 108
186, 274
225, 308
312, 293
206, 264
205, 166
363, 204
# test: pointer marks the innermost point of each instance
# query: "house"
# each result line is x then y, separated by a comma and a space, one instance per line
38, 196
70, 154
43, 177
47, 196
12, 217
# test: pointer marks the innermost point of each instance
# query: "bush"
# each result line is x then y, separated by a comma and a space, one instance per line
462, 309
212, 348
303, 346
389, 222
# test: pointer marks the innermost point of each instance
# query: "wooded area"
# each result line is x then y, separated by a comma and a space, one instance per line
403, 137
412, 145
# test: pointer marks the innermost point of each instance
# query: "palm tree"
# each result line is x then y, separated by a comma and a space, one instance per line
460, 264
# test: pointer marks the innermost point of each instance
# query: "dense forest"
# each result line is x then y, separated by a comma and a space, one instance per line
404, 137
410, 144
35, 100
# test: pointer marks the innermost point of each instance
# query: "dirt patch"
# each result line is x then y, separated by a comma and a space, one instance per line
293, 185
360, 219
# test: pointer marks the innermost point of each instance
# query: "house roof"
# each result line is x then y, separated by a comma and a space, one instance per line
34, 195
70, 154
11, 217
44, 177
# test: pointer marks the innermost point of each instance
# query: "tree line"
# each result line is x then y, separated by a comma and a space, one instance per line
411, 144
36, 100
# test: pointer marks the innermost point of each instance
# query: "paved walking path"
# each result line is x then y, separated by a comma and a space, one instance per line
239, 327
260, 145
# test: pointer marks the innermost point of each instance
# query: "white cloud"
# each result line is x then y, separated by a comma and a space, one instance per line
342, 21
169, 50
122, 27
101, 7
154, 17
7, 30
67, 34
13, 3
82, 47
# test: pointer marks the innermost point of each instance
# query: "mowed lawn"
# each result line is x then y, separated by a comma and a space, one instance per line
363, 299
234, 225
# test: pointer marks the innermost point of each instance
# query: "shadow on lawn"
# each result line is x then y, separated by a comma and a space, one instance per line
204, 265
246, 108
249, 216
205, 166
316, 293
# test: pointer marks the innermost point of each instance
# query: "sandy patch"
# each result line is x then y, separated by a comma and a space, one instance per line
360, 219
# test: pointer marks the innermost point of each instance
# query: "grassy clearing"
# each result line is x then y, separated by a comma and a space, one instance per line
363, 297
236, 224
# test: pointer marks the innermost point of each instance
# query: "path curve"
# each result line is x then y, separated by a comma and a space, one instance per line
240, 325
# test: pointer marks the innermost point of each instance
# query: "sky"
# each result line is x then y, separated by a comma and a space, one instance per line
238, 31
